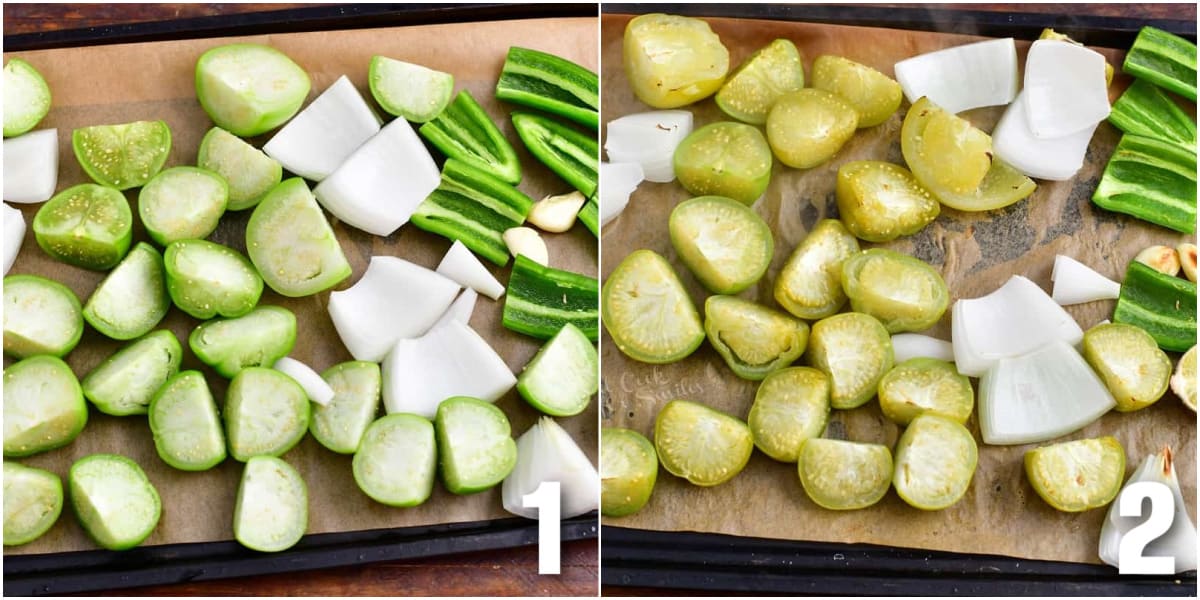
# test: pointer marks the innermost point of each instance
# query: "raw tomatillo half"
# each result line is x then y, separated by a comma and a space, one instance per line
809, 286
33, 501
724, 159
772, 71
647, 311
790, 407
43, 406
673, 61
87, 225
842, 475
182, 203
133, 298
291, 243
122, 156
724, 243
903, 292
754, 340
249, 172
206, 279
249, 89
855, 351
628, 470
703, 445
41, 316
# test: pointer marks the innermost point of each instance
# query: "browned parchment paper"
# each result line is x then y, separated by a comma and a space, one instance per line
975, 252
121, 83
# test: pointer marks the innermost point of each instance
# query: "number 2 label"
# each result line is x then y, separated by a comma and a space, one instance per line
1134, 542
546, 499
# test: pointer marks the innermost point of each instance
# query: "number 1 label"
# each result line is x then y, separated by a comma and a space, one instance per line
546, 499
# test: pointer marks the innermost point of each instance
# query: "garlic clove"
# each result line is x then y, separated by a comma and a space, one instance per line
1163, 259
525, 240
556, 214
1187, 259
1179, 541
1183, 382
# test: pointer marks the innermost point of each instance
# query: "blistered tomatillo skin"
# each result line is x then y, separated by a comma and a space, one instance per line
767, 74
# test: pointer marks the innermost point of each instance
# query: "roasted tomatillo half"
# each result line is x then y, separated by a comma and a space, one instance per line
925, 385
903, 292
855, 351
767, 74
842, 475
1078, 475
628, 470
703, 445
807, 127
724, 159
1130, 362
790, 407
647, 311
809, 286
879, 201
935, 461
754, 340
724, 243
673, 61
873, 95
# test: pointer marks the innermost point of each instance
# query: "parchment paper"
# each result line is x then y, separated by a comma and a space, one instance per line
975, 252
121, 83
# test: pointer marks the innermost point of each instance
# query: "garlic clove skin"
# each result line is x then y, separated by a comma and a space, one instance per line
1179, 541
525, 240
556, 214
1163, 259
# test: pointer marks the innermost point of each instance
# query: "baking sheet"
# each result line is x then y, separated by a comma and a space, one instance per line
975, 252
121, 83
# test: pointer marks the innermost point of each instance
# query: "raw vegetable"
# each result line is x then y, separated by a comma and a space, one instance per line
182, 203
340, 425
1050, 34
475, 445
1055, 159
465, 132
903, 292
724, 159
1078, 475
379, 186
648, 312
542, 299
266, 413
1015, 319
474, 208
1187, 260
525, 241
767, 74
1163, 259
26, 98
907, 346
1065, 89
33, 500
133, 298
114, 500
314, 386
550, 83
807, 127
754, 340
1163, 59
396, 462
590, 216
546, 452
183, 418
256, 339
31, 166
556, 214
86, 225
790, 407
1183, 382
842, 475
1151, 180
460, 310
1179, 541
571, 154
672, 60
451, 360
292, 245
41, 316
854, 350
43, 406
271, 513
925, 386
462, 267
14, 235
1162, 305
617, 182
1077, 283
1145, 110
563, 376
935, 461
1040, 395
408, 90
649, 139
963, 77
248, 171
703, 445
879, 201
724, 243
320, 138
628, 471
249, 89
206, 279
125, 383
394, 299
809, 286
873, 95
122, 156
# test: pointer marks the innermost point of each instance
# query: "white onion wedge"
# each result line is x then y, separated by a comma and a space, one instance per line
1179, 541
649, 139
31, 166
546, 452
317, 389
451, 360
319, 139
1039, 396
460, 310
465, 269
14, 235
382, 183
1065, 89
1056, 159
1076, 283
915, 345
963, 77
394, 299
1015, 319
617, 182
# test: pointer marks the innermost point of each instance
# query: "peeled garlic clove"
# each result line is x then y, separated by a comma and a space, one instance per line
1163, 259
556, 214
524, 240
1179, 541
1187, 259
